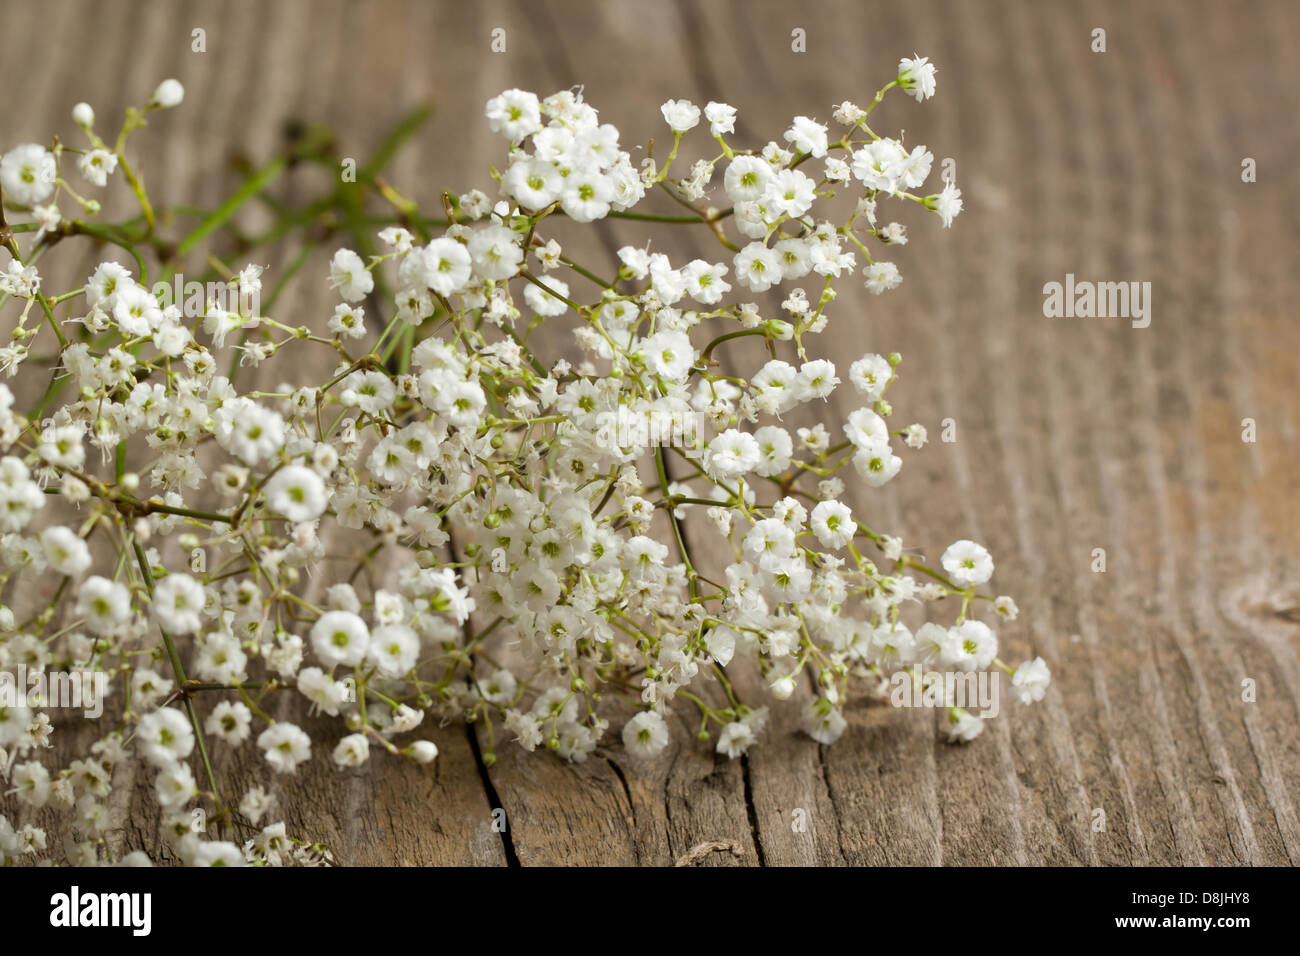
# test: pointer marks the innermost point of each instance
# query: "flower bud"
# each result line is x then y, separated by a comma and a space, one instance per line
169, 94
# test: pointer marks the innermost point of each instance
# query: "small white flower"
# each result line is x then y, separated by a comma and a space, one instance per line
807, 136
916, 75
680, 115
178, 602
349, 276
721, 117
833, 524
881, 277
736, 737
285, 746
175, 786
352, 751
297, 493
27, 174
446, 265
514, 114
394, 649
1030, 681
544, 302
967, 563
964, 728
948, 204
747, 178
102, 605
645, 735
64, 551
164, 737
231, 721
340, 638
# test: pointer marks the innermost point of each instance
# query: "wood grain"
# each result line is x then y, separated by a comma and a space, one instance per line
1071, 434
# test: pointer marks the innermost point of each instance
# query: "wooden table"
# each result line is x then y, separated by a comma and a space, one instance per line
1071, 434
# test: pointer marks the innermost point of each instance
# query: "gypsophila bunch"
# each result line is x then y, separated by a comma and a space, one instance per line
452, 525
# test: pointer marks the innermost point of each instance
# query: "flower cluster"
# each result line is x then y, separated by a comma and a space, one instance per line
512, 529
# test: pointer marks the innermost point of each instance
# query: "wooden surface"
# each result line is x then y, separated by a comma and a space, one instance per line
1071, 434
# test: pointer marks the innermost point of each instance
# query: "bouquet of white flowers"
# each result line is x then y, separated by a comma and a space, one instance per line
521, 522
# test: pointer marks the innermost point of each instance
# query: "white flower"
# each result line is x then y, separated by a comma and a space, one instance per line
446, 266
27, 174
807, 136
758, 268
669, 354
65, 552
747, 178
881, 277
61, 446
721, 117
1029, 682
704, 281
31, 784
297, 493
164, 737
515, 114
823, 722
1005, 606
732, 454
876, 463
645, 735
175, 786
394, 649
790, 192
948, 204
547, 303
533, 182
168, 94
680, 115
349, 276
973, 647
586, 195
352, 751
231, 721
916, 75
967, 563
14, 721
326, 694
220, 853
735, 738
102, 605
964, 728
285, 746
833, 524
869, 375
495, 252
340, 637
97, 165
178, 601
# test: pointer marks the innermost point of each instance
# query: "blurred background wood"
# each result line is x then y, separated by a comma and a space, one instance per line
1071, 434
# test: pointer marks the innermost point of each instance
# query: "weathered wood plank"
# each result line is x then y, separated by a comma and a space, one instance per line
1071, 436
